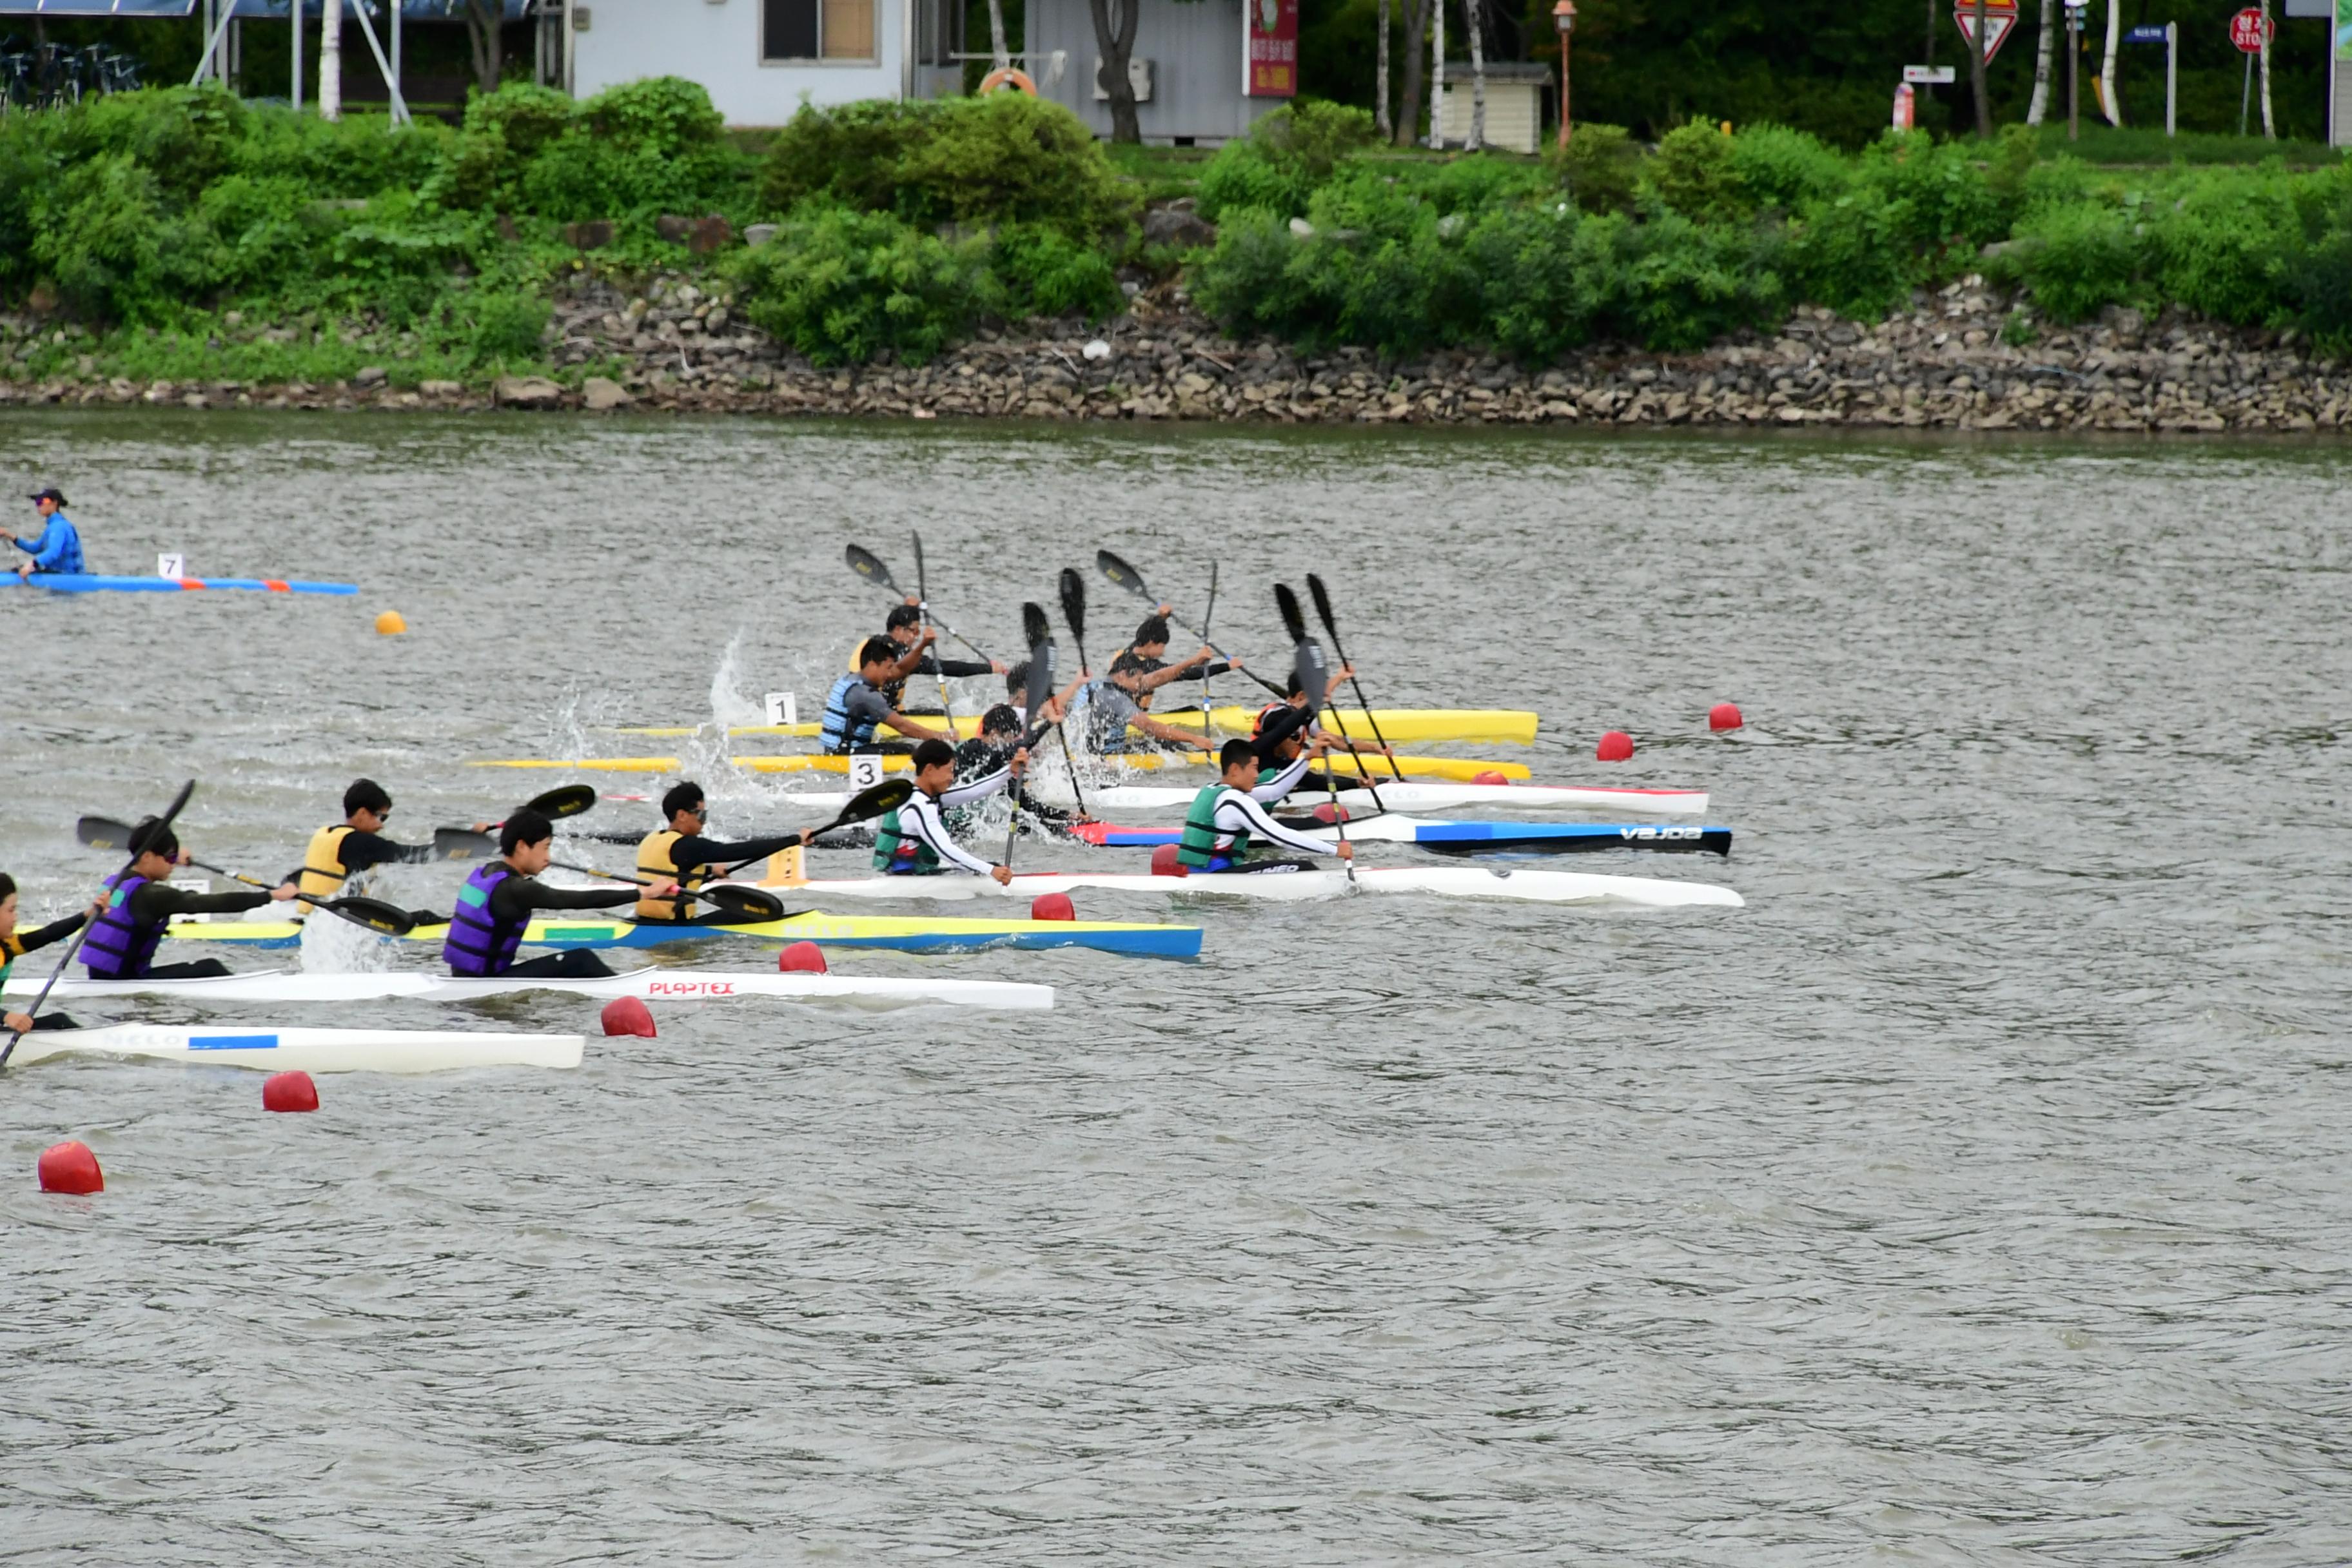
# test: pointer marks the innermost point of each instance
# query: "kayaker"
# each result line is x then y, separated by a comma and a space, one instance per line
1104, 709
999, 737
57, 547
496, 905
141, 902
905, 629
341, 850
857, 705
681, 856
1225, 814
914, 840
1285, 729
14, 946
1141, 668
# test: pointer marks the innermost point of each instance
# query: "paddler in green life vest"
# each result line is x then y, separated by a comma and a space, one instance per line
857, 704
14, 946
1224, 815
914, 840
341, 850
680, 855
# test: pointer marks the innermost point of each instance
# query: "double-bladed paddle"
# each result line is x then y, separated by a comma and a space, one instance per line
1206, 616
1312, 680
1039, 691
564, 800
750, 904
374, 914
923, 608
33, 1012
1117, 569
1296, 622
1331, 627
1039, 629
888, 796
868, 565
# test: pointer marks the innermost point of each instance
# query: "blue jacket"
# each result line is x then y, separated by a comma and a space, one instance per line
59, 549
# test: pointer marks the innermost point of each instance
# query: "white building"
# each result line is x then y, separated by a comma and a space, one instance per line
762, 59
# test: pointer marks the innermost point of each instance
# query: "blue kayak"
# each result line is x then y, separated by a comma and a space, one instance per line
1470, 838
88, 582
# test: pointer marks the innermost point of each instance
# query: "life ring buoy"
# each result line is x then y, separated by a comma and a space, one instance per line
1007, 76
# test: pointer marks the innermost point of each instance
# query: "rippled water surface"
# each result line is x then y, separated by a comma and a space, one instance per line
1978, 1193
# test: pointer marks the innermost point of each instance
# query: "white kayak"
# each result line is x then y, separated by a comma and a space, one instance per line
650, 984
1445, 881
314, 1050
1410, 795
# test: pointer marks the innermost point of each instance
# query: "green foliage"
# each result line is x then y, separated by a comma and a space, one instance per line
187, 136
2222, 248
843, 287
1693, 174
507, 327
663, 115
848, 156
1038, 271
1287, 155
1686, 284
2319, 283
1600, 168
1774, 166
634, 151
2079, 258
1844, 252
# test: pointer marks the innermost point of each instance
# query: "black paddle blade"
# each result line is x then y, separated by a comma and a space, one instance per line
751, 903
1322, 607
868, 565
462, 844
386, 919
570, 800
1312, 674
104, 833
922, 583
1292, 621
888, 796
1121, 573
1041, 675
1034, 627
1073, 603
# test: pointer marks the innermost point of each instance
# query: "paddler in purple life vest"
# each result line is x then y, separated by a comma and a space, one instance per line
496, 905
15, 944
141, 902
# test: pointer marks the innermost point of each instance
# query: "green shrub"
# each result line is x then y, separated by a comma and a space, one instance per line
507, 327
1686, 284
1010, 158
1937, 200
1546, 276
1286, 156
1038, 271
113, 249
1844, 252
1600, 168
842, 287
187, 136
664, 115
2319, 285
2222, 248
525, 118
1693, 174
848, 156
1773, 166
2078, 259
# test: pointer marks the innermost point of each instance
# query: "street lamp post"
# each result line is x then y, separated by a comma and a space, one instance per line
1563, 17
2074, 9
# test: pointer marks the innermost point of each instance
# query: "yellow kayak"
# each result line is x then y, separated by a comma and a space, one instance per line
1469, 726
1461, 770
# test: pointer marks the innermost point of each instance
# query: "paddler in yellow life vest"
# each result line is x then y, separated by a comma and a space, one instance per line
14, 946
341, 850
906, 630
680, 854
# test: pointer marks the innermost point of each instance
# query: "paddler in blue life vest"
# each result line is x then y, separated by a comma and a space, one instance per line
914, 840
57, 547
680, 855
1225, 814
341, 850
141, 902
15, 945
858, 704
496, 905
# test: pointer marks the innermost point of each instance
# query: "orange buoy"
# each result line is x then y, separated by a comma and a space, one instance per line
1007, 76
390, 625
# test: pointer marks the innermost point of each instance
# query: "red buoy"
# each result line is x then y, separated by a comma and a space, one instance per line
1053, 907
1165, 863
1330, 812
1615, 747
1490, 777
70, 1167
628, 1015
1724, 716
802, 958
290, 1091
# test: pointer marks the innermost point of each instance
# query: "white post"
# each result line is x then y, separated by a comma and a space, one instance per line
330, 60
2171, 73
204, 31
2040, 104
395, 42
295, 6
1437, 78
2270, 127
2107, 66
1477, 79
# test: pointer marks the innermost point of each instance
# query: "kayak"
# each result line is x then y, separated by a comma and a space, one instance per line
1444, 881
1396, 797
1475, 726
646, 984
1469, 837
826, 931
1461, 768
86, 582
312, 1050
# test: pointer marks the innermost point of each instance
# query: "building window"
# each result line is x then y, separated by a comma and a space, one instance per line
816, 30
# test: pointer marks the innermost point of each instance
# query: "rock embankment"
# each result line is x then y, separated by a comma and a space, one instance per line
1962, 358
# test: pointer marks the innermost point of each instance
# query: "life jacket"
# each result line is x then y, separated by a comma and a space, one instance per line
837, 732
1198, 847
480, 944
12, 948
894, 852
120, 945
655, 865
322, 873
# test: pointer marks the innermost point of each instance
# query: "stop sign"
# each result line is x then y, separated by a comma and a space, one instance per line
2249, 29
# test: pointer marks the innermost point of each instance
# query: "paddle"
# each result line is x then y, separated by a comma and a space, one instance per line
749, 903
1288, 603
105, 832
1206, 616
868, 565
923, 608
1040, 633
33, 1012
888, 796
1312, 680
1040, 690
1323, 614
1129, 578
565, 800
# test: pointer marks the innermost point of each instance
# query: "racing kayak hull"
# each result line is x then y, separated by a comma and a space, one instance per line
1397, 796
1471, 726
312, 1050
646, 984
1470, 838
826, 931
1458, 768
87, 583
1444, 881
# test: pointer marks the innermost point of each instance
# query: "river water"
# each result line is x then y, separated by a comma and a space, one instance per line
1978, 1193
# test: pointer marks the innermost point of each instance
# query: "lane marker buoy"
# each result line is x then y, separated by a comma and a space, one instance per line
1053, 907
1616, 746
1724, 716
802, 958
290, 1091
69, 1167
628, 1015
390, 625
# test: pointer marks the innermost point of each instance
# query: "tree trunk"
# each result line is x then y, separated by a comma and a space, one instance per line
2039, 106
1436, 75
2107, 66
330, 60
1416, 23
1478, 76
1381, 121
1000, 53
482, 19
1117, 43
1976, 76
2270, 127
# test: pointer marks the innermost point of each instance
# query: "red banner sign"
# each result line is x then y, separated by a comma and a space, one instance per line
1270, 48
